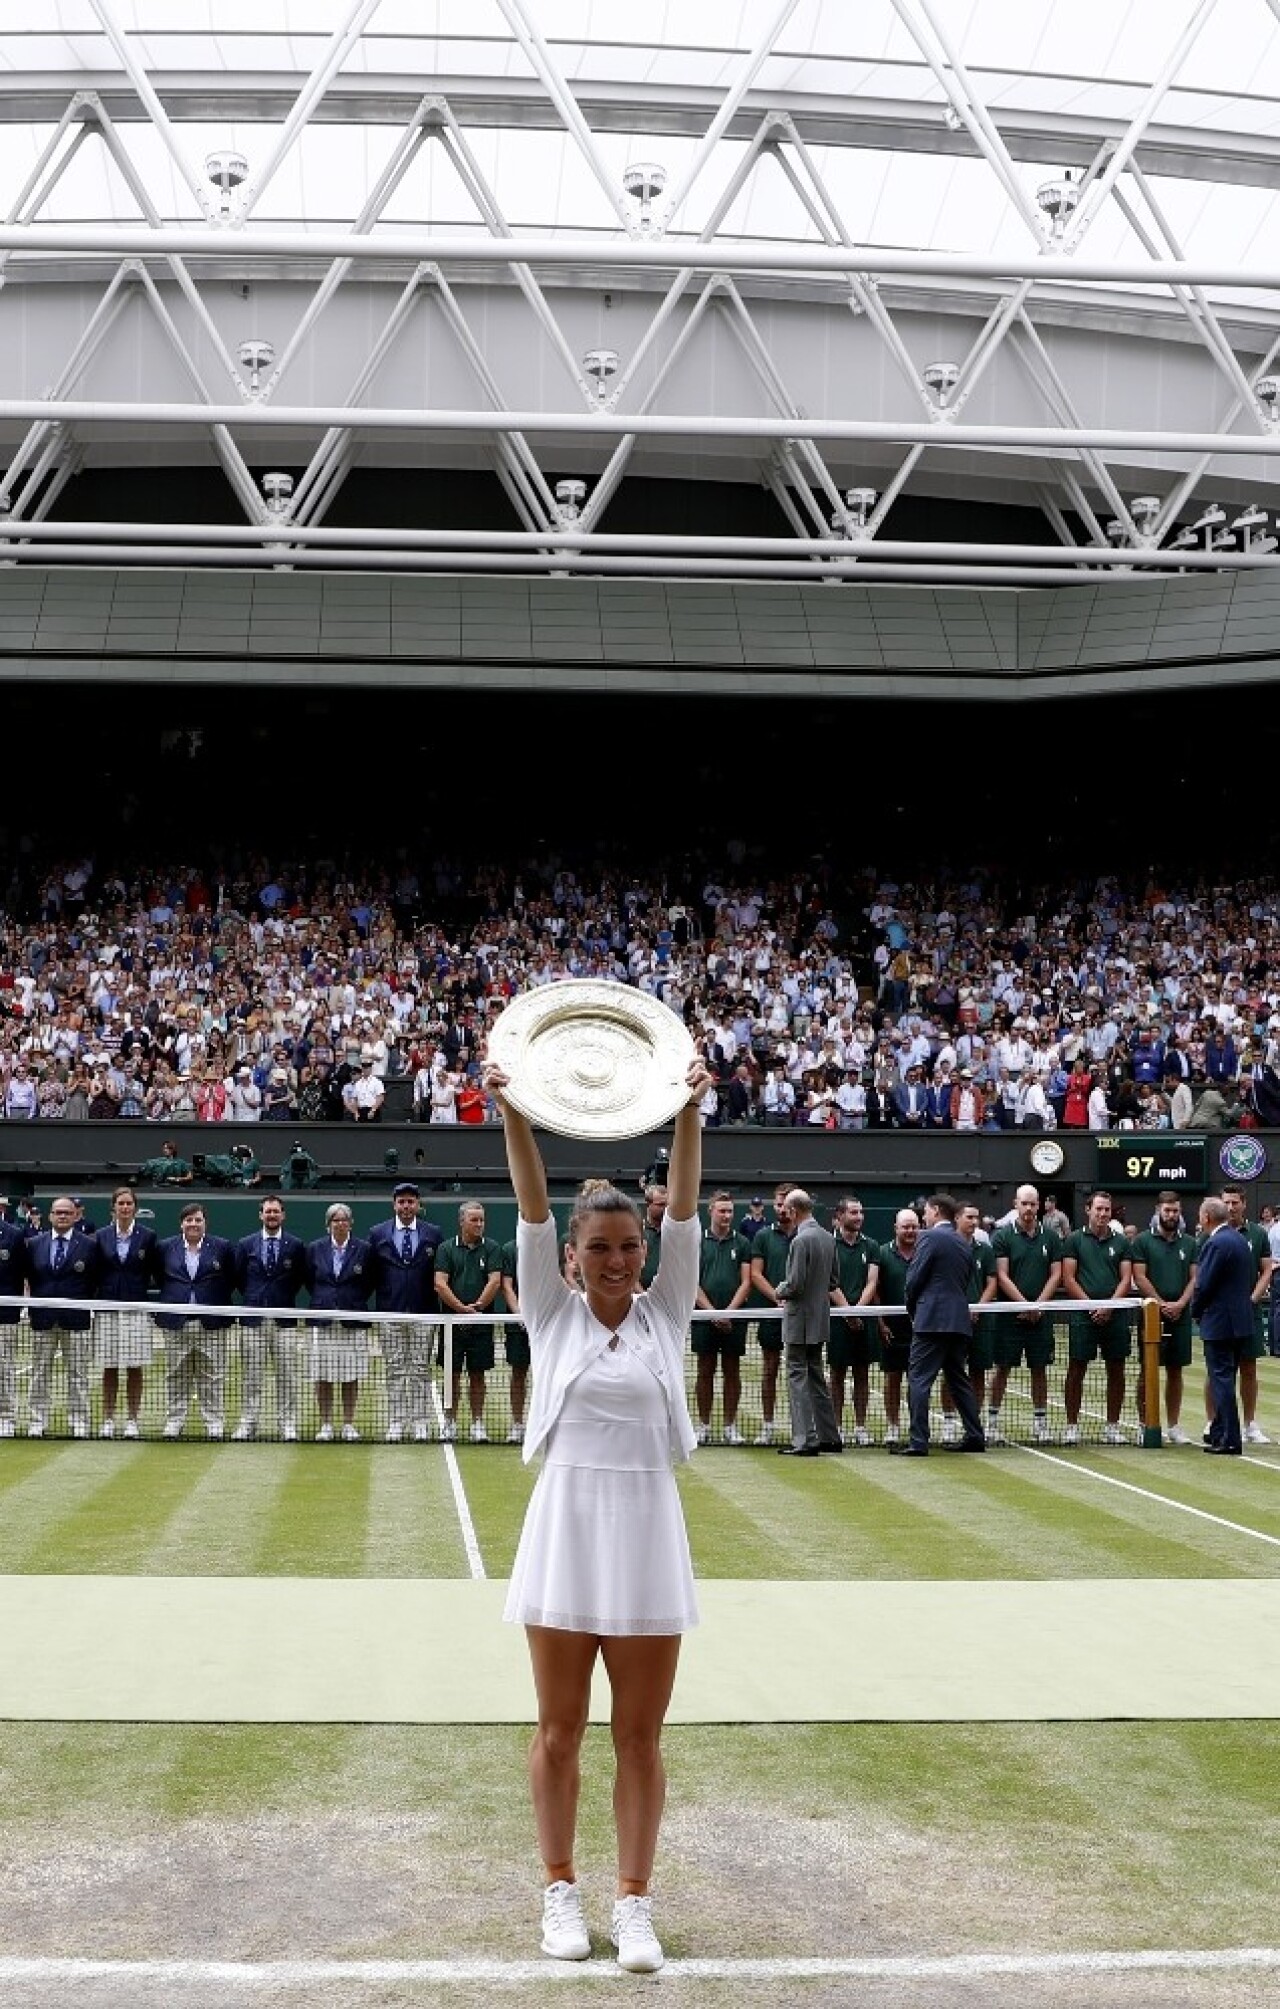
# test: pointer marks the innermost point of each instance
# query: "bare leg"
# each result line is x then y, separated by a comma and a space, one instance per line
732, 1389
324, 1401
519, 1390
1248, 1391
350, 1390
704, 1388
475, 1394
642, 1673
111, 1393
769, 1363
861, 1396
562, 1663
893, 1396
1172, 1395
132, 1391
1115, 1390
1073, 1390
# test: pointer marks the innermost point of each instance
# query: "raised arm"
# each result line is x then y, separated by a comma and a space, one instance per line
684, 1173
524, 1160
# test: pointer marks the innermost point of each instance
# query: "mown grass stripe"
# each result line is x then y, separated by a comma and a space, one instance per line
411, 1527
213, 1530
317, 1521
56, 1499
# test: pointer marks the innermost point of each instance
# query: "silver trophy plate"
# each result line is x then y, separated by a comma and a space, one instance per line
586, 1058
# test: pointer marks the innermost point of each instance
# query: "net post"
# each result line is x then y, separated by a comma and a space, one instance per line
1152, 1435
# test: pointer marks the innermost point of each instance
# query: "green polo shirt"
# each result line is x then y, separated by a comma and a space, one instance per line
1030, 1257
507, 1263
855, 1260
1168, 1261
652, 1253
720, 1265
984, 1268
1097, 1262
771, 1246
467, 1268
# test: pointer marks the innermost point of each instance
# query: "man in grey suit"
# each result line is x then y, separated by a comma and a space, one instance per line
937, 1298
813, 1272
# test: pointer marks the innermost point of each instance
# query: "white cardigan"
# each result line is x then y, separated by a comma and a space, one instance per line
564, 1334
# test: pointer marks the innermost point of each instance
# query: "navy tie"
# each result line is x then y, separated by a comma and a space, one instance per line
271, 1256
406, 1247
59, 1252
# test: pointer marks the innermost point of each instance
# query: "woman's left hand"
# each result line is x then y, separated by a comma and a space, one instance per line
698, 1079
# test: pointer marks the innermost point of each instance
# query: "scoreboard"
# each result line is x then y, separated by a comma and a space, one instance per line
1151, 1159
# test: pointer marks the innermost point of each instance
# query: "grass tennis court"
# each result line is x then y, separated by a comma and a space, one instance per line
350, 1841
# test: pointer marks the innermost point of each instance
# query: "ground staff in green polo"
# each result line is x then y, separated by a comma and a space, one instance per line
855, 1342
1029, 1272
724, 1284
769, 1269
468, 1279
1260, 1249
515, 1343
1164, 1270
1096, 1264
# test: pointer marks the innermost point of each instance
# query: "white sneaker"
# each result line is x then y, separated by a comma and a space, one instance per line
891, 1433
950, 1429
108, 1429
324, 1435
1175, 1434
6, 1426
422, 1433
1071, 1435
1255, 1434
1206, 1435
766, 1434
1039, 1430
995, 1435
862, 1435
479, 1435
288, 1435
242, 1433
350, 1435
35, 1429
564, 1934
732, 1434
213, 1431
131, 1428
448, 1432
515, 1434
79, 1428
395, 1431
173, 1430
702, 1435
1113, 1434
634, 1936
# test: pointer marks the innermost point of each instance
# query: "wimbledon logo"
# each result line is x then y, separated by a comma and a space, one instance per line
1242, 1158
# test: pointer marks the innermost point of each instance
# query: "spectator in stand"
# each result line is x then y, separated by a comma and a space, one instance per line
365, 1093
1075, 1113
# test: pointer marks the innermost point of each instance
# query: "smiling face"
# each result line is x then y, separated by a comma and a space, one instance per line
610, 1254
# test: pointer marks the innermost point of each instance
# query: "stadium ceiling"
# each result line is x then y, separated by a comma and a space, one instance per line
1014, 253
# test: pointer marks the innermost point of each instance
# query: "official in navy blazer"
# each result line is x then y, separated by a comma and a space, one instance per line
13, 1281
62, 1262
937, 1299
270, 1269
130, 1256
339, 1277
403, 1253
1222, 1302
196, 1269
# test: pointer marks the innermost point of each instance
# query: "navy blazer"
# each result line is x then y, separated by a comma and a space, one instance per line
272, 1289
938, 1280
399, 1286
135, 1277
1222, 1300
215, 1280
79, 1277
13, 1270
348, 1292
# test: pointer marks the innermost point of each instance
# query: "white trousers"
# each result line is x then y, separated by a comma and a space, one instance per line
75, 1348
195, 1364
263, 1339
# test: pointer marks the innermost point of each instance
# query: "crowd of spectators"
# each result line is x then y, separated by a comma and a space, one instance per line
272, 992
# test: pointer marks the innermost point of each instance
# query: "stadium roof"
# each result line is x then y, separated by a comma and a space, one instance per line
1013, 252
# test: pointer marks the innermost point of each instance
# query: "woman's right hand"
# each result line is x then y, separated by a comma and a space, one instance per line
495, 1079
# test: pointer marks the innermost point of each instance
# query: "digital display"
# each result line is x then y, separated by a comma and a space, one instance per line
1137, 1158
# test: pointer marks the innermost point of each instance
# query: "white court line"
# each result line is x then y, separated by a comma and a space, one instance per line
1162, 1499
475, 1561
311, 1973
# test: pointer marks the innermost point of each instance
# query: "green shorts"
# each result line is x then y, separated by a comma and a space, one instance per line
1175, 1344
896, 1350
708, 1344
982, 1347
1259, 1348
1107, 1342
1015, 1342
769, 1334
515, 1344
472, 1348
854, 1342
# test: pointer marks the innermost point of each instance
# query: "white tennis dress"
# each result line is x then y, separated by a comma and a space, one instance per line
604, 1548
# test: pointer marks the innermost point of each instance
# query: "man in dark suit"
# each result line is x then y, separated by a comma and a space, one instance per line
62, 1262
1222, 1302
909, 1100
402, 1254
813, 1273
338, 1277
937, 1299
270, 1271
13, 1279
196, 1268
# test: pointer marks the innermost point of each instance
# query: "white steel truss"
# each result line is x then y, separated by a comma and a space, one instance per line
820, 365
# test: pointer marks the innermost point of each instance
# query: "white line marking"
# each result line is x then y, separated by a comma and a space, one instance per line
1162, 1499
475, 1560
310, 1973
